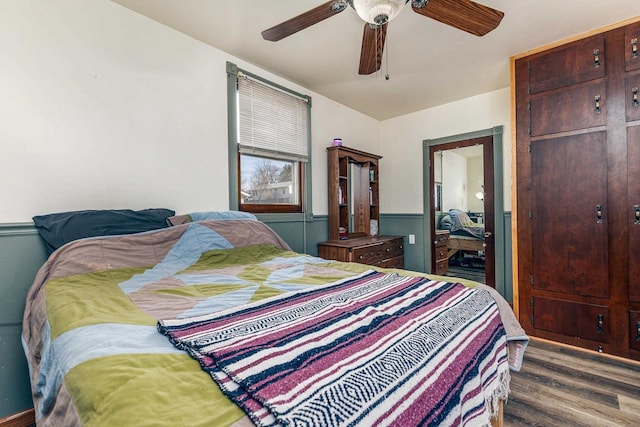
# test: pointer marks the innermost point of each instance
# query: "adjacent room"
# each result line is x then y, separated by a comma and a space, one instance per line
323, 213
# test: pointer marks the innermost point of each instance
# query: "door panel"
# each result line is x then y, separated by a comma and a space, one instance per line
587, 321
569, 242
633, 150
632, 47
632, 89
634, 329
576, 62
580, 107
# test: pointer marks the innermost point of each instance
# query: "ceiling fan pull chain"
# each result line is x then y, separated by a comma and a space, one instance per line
386, 76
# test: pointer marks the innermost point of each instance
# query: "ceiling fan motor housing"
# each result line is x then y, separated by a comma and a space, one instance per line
377, 12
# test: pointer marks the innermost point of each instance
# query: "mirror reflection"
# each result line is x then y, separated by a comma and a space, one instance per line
459, 205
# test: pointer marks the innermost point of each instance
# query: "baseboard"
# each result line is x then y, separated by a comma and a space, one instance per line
21, 419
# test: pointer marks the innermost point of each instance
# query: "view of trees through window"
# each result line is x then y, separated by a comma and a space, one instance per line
268, 181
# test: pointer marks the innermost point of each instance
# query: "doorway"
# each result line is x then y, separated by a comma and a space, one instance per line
463, 195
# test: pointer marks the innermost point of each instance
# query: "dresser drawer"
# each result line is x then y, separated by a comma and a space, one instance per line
375, 253
370, 254
442, 267
397, 262
441, 253
393, 248
442, 239
383, 251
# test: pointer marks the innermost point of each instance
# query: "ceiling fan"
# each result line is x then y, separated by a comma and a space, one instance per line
465, 15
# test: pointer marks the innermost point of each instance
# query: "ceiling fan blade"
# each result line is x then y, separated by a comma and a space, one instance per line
372, 48
304, 20
466, 15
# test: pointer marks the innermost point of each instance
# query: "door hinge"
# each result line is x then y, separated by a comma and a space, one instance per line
531, 282
529, 147
529, 131
532, 318
530, 214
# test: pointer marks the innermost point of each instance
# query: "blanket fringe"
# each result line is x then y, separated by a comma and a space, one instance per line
500, 393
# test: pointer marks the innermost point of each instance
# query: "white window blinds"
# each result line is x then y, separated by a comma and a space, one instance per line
272, 123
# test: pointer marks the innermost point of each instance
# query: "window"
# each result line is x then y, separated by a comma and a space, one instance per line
268, 146
269, 185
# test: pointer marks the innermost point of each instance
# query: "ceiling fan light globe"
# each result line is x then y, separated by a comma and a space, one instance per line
378, 12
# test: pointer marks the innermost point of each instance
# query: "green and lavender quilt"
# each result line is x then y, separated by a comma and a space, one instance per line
91, 321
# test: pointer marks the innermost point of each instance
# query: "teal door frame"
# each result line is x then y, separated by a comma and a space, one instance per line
498, 191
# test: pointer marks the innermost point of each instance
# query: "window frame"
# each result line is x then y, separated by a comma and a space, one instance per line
271, 207
304, 211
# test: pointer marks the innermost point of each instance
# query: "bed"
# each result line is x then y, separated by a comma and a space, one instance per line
216, 322
464, 234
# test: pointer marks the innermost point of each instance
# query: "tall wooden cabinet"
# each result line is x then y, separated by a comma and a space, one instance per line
578, 192
354, 212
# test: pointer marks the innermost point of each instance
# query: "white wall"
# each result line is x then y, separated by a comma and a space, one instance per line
454, 181
475, 182
103, 108
401, 145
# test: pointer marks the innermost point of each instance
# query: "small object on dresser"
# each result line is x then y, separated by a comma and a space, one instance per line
337, 142
373, 227
344, 234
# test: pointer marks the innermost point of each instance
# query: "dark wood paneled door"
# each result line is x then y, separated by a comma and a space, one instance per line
569, 214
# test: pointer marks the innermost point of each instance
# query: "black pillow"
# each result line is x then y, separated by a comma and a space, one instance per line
59, 228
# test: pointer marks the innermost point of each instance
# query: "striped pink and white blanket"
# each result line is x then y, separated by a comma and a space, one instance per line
377, 349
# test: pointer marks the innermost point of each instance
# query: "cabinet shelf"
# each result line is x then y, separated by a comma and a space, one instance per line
353, 206
350, 191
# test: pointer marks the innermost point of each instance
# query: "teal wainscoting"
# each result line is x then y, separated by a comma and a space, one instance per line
21, 255
404, 225
302, 237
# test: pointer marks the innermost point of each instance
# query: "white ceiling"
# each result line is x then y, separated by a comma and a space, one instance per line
429, 63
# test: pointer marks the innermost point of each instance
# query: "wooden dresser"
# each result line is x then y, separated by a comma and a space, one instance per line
381, 251
441, 252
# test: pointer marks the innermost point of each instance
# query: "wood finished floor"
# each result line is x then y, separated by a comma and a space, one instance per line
560, 386
475, 274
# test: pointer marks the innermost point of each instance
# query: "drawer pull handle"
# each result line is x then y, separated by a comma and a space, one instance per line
634, 97
634, 48
360, 256
596, 58
636, 211
638, 330
441, 253
600, 349
600, 323
596, 102
599, 214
